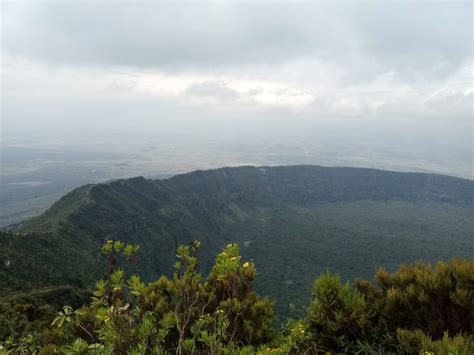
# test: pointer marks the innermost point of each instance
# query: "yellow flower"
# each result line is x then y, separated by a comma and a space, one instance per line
246, 264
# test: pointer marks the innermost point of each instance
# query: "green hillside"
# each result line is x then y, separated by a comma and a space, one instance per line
294, 222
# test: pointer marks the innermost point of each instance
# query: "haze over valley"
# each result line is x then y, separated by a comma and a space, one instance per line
327, 84
35, 174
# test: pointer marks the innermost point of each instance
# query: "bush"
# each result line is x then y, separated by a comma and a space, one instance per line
181, 314
420, 297
415, 341
414, 310
337, 314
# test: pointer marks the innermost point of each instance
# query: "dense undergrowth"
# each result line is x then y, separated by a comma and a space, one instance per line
418, 309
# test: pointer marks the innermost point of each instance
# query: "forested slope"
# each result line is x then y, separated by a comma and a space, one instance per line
294, 222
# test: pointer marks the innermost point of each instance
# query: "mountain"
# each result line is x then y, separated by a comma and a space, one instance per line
294, 221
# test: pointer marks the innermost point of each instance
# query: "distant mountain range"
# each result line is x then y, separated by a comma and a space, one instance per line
294, 221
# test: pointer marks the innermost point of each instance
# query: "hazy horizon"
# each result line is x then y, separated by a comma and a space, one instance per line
97, 90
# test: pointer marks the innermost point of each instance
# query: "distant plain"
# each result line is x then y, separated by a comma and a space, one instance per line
34, 175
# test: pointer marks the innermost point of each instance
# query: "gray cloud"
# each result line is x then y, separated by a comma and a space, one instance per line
390, 79
425, 40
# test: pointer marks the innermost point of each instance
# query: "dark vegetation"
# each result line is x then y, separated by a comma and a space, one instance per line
418, 309
294, 222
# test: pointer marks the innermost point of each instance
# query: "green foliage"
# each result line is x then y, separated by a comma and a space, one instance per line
415, 309
415, 341
221, 313
24, 314
229, 286
295, 338
185, 313
420, 297
302, 217
35, 260
337, 314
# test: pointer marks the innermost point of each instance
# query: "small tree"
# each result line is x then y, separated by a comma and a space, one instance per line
229, 289
420, 297
182, 314
337, 314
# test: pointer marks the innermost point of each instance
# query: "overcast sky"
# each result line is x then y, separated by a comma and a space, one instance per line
102, 65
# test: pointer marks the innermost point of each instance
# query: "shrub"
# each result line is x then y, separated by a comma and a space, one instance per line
337, 314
